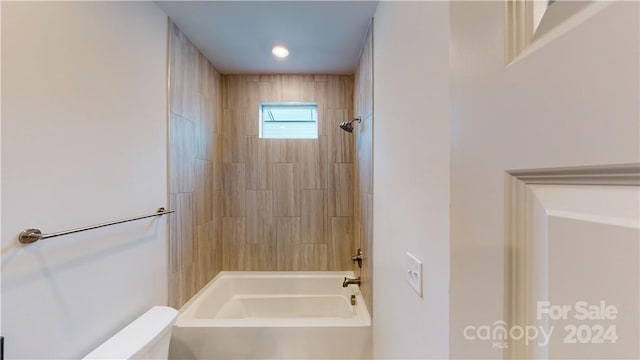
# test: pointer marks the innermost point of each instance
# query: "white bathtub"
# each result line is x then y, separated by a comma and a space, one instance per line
274, 315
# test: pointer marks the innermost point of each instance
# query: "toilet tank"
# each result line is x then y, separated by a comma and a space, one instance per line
147, 337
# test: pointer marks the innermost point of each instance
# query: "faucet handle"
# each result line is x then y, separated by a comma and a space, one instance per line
357, 258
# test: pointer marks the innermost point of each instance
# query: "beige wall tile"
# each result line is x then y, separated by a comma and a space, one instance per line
258, 258
252, 113
363, 189
195, 169
181, 154
205, 237
259, 217
340, 243
173, 290
217, 161
340, 203
366, 245
270, 89
288, 230
312, 216
218, 110
236, 92
288, 257
285, 167
341, 190
284, 150
286, 189
288, 243
176, 66
217, 207
203, 191
201, 73
259, 164
186, 225
187, 283
188, 54
234, 190
307, 90
182, 81
204, 122
307, 77
314, 257
313, 163
338, 92
342, 176
291, 87
234, 139
220, 168
218, 248
175, 251
233, 233
364, 154
321, 94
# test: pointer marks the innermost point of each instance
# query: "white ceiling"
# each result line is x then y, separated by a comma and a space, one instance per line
323, 37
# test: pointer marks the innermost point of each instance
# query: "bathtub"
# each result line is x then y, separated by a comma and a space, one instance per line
274, 315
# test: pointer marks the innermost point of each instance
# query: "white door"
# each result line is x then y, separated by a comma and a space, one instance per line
544, 179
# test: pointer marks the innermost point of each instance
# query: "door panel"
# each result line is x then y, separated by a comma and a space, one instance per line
570, 99
594, 262
575, 247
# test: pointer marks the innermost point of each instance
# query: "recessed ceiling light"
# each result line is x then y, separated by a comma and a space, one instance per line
280, 51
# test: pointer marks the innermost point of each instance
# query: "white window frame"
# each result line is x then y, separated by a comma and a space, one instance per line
261, 120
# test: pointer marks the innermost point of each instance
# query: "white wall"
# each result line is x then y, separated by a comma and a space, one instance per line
0, 167
411, 178
84, 128
571, 102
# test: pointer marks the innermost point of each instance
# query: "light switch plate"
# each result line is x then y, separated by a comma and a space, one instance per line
414, 273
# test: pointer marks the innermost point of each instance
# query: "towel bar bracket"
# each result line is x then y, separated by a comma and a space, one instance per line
30, 236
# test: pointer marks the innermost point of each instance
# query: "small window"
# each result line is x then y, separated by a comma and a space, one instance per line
289, 120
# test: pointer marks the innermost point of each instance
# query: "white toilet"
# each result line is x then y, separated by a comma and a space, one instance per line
147, 337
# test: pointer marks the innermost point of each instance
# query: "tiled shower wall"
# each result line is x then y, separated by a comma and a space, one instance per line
287, 204
195, 169
363, 215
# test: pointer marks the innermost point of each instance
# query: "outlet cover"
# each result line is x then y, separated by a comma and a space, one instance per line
414, 273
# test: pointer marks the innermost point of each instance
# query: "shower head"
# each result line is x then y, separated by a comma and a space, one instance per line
348, 125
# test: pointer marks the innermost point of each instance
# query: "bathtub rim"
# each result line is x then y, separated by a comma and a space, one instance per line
363, 319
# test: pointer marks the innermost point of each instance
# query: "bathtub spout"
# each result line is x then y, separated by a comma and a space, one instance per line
348, 282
